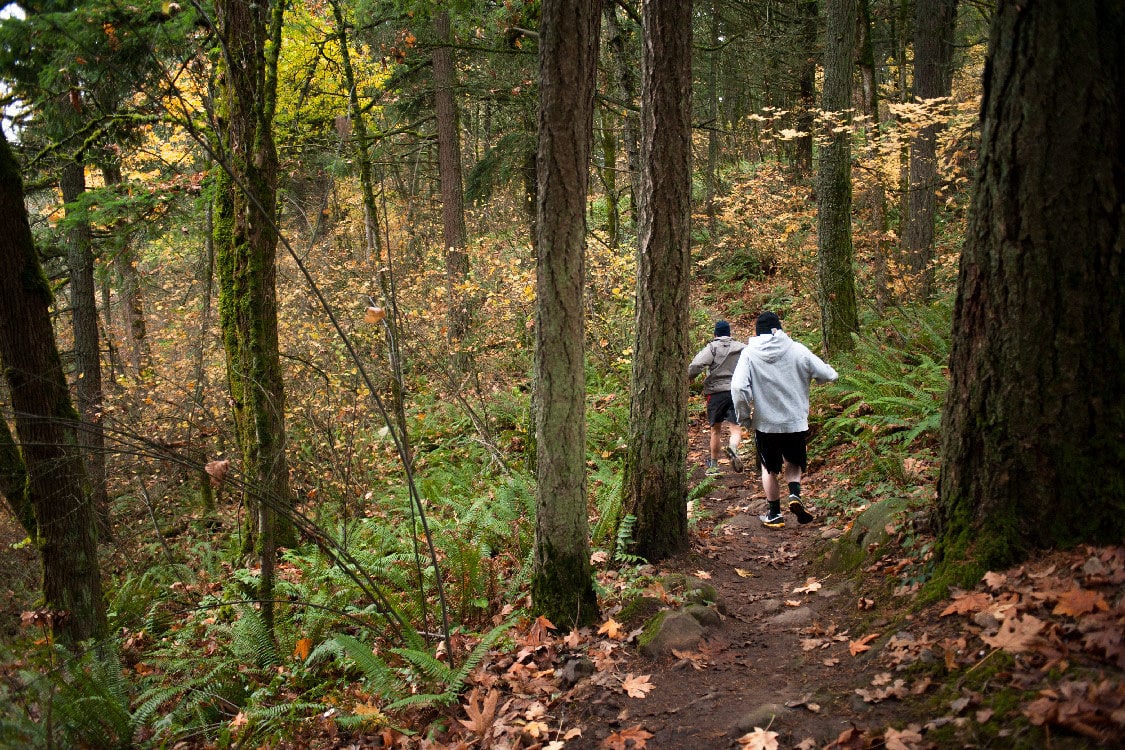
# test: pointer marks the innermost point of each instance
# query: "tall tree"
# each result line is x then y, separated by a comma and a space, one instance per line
84, 324
45, 425
806, 84
655, 484
934, 25
246, 250
835, 273
452, 195
623, 65
1032, 448
562, 582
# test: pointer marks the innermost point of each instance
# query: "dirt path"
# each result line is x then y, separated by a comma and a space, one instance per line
753, 670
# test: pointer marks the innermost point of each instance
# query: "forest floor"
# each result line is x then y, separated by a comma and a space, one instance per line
801, 654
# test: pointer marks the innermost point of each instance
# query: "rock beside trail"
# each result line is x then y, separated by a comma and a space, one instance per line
668, 631
793, 617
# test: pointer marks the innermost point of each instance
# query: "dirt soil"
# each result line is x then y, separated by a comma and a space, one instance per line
752, 670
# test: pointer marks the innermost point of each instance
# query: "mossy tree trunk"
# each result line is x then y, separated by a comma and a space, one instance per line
45, 423
655, 482
835, 272
246, 249
624, 64
562, 581
1033, 432
132, 295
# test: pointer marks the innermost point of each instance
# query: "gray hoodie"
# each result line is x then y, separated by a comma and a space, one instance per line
718, 358
773, 375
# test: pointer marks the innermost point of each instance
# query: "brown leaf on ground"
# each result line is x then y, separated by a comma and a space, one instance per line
759, 739
1078, 601
907, 739
968, 603
481, 713
217, 470
637, 687
612, 629
857, 647
1016, 634
620, 740
994, 580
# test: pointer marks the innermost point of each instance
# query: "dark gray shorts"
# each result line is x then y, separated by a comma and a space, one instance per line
720, 408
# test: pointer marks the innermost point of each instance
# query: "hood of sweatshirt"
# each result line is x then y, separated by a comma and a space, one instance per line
771, 347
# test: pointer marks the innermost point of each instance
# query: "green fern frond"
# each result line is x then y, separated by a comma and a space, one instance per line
374, 669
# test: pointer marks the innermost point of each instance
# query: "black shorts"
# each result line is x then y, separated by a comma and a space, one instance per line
720, 408
775, 446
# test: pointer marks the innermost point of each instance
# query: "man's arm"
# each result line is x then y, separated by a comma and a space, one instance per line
701, 362
740, 389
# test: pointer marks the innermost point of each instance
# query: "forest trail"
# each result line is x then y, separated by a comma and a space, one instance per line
780, 658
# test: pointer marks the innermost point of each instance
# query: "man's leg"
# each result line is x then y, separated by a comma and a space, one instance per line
732, 446
716, 440
793, 479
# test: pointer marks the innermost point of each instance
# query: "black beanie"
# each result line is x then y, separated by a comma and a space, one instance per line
767, 321
722, 328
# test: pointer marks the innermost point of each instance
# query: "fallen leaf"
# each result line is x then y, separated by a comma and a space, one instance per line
536, 729
612, 628
857, 647
619, 740
481, 714
1016, 634
1079, 601
744, 573
637, 687
759, 739
302, 648
810, 586
217, 470
966, 603
994, 580
374, 315
907, 739
703, 574
793, 603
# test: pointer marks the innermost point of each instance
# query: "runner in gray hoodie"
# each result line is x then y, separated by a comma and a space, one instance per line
771, 381
718, 359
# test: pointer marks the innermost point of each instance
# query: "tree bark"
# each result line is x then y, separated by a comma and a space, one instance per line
1033, 430
934, 25
655, 482
87, 359
246, 247
806, 86
839, 318
562, 586
452, 192
623, 67
45, 425
132, 297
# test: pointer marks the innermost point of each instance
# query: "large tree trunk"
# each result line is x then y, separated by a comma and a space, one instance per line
452, 200
834, 186
877, 197
45, 425
246, 247
562, 587
1033, 432
934, 24
87, 359
655, 483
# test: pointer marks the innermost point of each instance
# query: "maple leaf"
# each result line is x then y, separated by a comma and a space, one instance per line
695, 659
907, 739
759, 739
1079, 601
994, 580
619, 740
703, 574
857, 647
302, 648
536, 728
612, 628
637, 687
481, 715
966, 603
374, 315
810, 586
1016, 634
